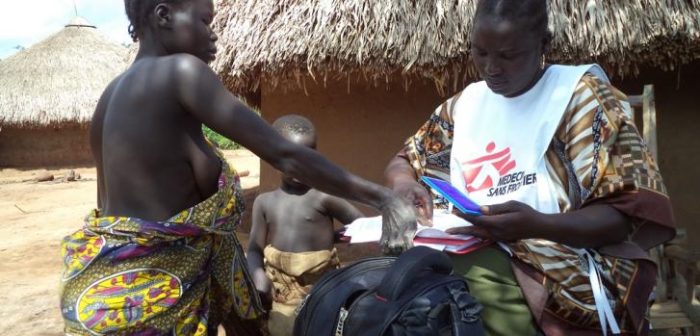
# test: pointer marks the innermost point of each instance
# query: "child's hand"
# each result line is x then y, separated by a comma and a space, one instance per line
264, 287
262, 282
266, 300
398, 226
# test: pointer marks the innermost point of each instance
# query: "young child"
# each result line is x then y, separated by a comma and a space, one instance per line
160, 255
294, 225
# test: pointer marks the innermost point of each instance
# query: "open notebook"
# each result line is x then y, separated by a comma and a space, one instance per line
369, 229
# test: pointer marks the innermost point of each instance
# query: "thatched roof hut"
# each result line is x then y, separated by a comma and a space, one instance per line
60, 79
48, 93
280, 40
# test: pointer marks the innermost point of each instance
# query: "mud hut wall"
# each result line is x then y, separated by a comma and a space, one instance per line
360, 130
44, 147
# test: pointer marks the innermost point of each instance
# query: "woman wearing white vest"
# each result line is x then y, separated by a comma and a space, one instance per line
570, 191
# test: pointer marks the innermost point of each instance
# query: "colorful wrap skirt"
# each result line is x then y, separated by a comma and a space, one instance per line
182, 276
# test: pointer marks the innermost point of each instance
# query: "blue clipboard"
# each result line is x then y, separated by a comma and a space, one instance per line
452, 194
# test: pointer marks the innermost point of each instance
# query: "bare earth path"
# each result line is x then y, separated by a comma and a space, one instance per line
34, 217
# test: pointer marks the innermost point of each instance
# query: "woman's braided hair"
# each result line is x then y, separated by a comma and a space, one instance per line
531, 13
138, 11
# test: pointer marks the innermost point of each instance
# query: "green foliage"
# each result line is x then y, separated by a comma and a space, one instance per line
218, 139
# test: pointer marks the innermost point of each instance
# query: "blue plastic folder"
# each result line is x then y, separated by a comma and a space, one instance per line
453, 195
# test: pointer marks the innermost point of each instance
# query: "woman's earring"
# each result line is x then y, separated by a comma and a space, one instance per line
543, 62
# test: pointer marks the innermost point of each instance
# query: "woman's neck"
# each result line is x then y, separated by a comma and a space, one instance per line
532, 83
150, 46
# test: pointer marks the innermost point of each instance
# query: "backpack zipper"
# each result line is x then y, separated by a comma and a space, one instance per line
343, 275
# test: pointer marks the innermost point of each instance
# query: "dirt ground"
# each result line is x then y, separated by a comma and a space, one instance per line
34, 217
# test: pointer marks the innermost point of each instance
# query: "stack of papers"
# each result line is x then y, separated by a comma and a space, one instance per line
369, 229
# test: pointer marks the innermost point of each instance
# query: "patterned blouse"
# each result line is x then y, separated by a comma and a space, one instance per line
596, 156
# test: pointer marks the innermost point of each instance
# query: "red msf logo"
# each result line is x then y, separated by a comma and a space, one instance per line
484, 172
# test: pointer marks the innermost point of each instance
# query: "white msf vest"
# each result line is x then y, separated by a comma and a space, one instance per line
499, 144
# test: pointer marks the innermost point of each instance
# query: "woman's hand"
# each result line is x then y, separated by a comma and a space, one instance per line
589, 227
506, 222
398, 226
416, 194
402, 179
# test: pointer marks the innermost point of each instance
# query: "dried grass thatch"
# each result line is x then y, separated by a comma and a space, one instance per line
281, 40
132, 50
59, 80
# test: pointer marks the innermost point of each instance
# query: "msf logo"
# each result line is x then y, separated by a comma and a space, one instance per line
485, 172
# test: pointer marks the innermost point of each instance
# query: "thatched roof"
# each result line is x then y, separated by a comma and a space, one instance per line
281, 40
60, 79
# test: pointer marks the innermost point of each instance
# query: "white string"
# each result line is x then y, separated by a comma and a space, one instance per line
605, 314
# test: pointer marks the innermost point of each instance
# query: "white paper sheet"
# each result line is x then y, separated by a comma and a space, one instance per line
369, 229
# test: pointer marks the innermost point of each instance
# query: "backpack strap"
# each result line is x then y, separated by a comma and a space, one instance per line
401, 274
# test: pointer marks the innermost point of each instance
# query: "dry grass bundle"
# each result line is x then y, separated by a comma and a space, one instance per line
59, 80
281, 41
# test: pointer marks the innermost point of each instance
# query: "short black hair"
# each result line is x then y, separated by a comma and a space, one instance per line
138, 11
532, 13
294, 124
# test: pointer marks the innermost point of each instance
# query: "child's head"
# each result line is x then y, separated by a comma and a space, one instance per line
178, 26
298, 130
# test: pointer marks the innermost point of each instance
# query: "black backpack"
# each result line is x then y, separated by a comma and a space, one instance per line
415, 294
